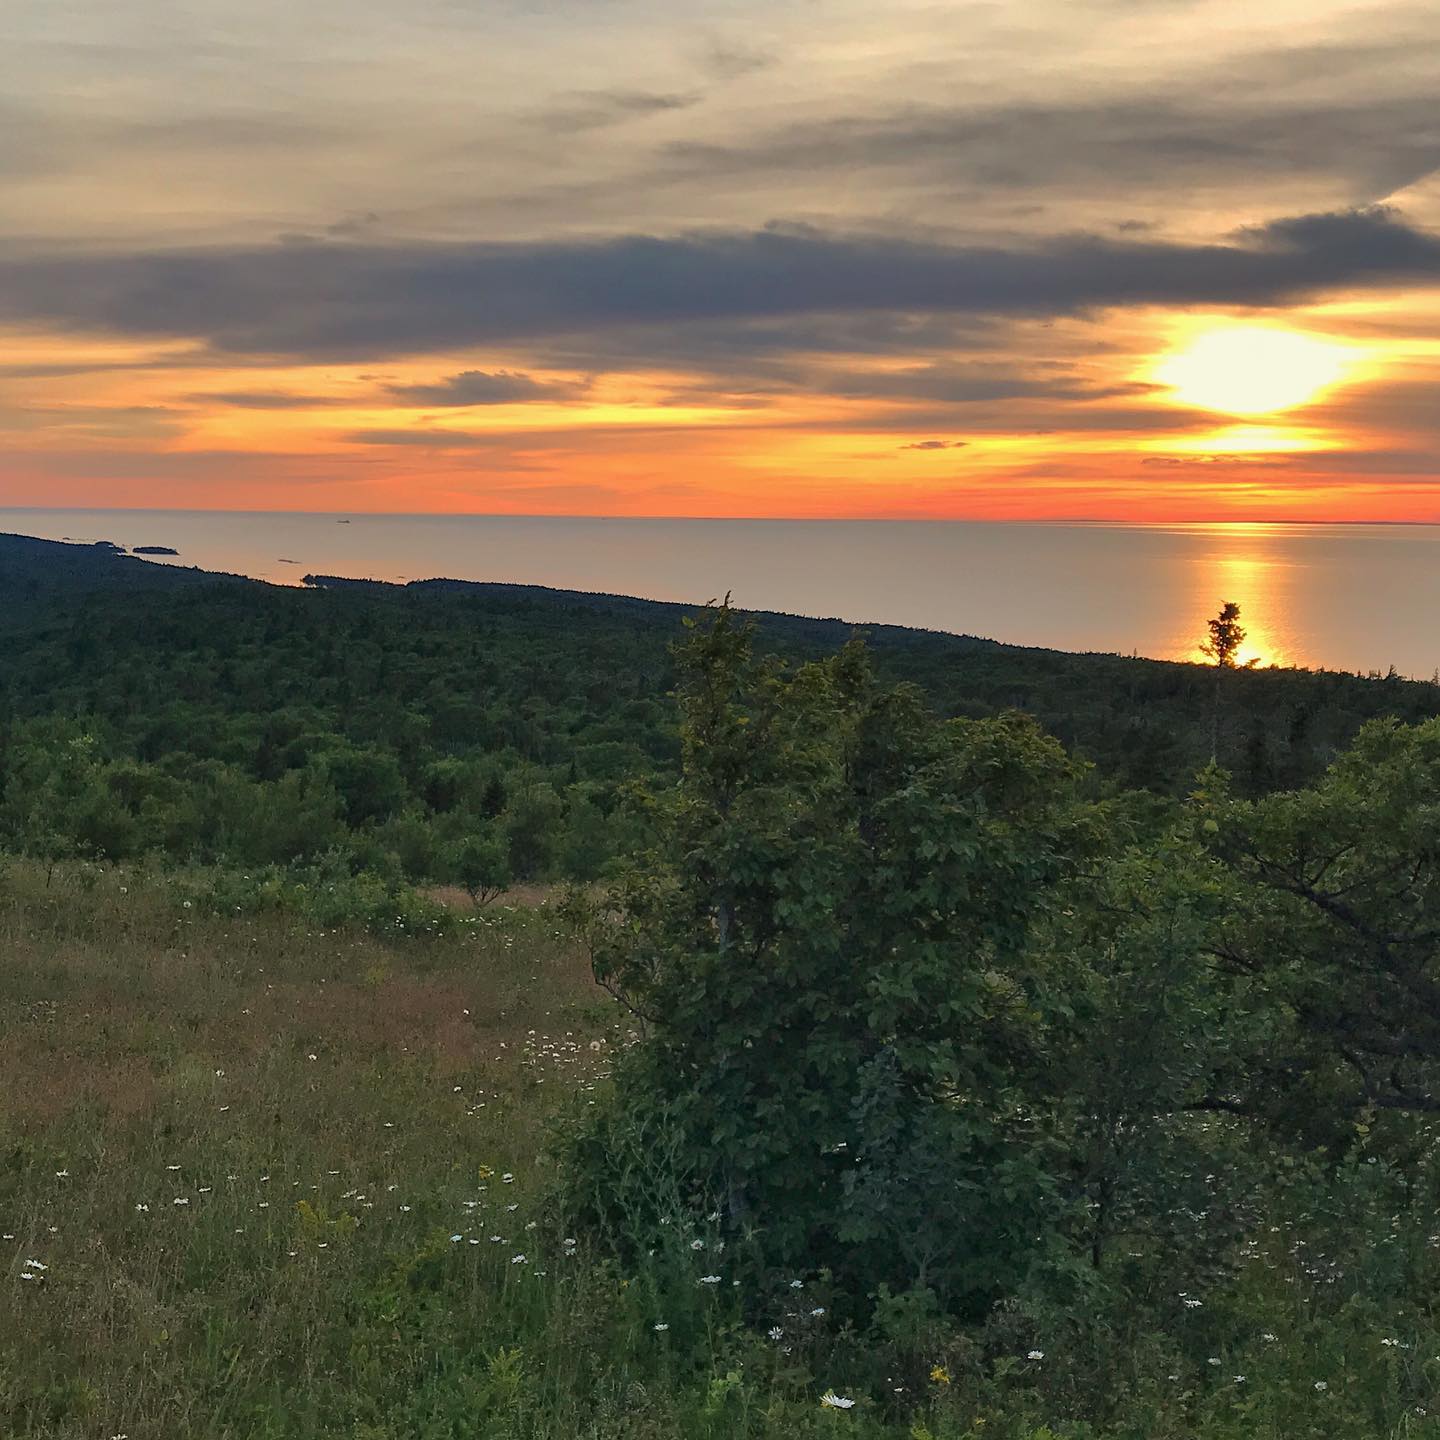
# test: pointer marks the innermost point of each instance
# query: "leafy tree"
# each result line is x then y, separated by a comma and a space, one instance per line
480, 863
1337, 921
1223, 647
1226, 636
827, 947
1143, 1035
532, 829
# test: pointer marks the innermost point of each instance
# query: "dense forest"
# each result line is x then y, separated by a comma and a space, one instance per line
470, 733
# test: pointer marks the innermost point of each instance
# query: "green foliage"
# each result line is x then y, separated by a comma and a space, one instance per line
1337, 924
827, 947
226, 722
480, 864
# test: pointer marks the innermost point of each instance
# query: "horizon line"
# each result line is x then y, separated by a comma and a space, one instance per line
702, 519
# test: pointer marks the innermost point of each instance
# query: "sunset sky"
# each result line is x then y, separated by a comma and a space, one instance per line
1137, 259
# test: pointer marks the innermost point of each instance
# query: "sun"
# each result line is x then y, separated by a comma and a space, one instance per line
1252, 370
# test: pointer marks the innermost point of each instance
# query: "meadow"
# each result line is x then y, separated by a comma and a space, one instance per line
263, 1179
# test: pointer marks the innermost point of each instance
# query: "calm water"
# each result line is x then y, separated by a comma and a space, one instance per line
1349, 597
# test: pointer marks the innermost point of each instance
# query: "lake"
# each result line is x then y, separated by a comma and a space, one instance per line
1347, 597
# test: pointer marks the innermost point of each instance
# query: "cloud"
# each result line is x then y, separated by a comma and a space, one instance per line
936, 445
732, 60
334, 300
263, 399
1217, 132
598, 109
426, 438
969, 384
487, 387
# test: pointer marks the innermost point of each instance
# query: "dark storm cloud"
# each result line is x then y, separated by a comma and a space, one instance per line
332, 300
486, 387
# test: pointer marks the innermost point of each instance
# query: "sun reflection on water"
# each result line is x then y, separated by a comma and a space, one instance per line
1243, 567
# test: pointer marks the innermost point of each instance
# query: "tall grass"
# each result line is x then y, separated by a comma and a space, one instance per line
263, 1177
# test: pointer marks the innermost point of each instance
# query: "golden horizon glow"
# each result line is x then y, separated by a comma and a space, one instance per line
1253, 370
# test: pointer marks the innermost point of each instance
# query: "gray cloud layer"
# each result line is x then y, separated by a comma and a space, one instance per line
335, 300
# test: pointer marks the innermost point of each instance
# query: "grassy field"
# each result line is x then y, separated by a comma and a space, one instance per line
262, 1179
246, 1165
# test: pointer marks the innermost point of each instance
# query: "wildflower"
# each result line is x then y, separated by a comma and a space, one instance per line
697, 1244
1036, 1355
404, 1209
797, 1284
141, 1205
29, 1275
35, 1265
456, 1239
312, 1057
1321, 1385
661, 1327
940, 1375
831, 1401
518, 1260
1239, 1379
708, 1280
776, 1333
180, 1200
818, 1311
1268, 1335
62, 1174
1193, 1304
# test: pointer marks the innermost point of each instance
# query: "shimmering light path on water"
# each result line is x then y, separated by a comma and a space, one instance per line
1350, 597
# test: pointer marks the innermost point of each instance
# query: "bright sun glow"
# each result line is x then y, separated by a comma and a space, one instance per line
1250, 370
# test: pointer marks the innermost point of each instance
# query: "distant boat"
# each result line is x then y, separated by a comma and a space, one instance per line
342, 522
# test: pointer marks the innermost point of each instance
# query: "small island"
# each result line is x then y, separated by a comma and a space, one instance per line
153, 550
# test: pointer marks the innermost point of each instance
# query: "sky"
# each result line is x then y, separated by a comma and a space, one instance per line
1120, 259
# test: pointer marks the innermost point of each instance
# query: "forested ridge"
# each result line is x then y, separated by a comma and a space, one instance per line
444, 729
